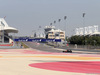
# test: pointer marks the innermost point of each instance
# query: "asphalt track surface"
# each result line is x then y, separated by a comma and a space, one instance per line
44, 47
41, 47
97, 51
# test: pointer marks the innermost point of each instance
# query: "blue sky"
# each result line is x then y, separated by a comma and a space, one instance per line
28, 15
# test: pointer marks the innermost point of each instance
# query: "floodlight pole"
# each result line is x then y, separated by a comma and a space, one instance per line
54, 22
84, 26
65, 17
59, 26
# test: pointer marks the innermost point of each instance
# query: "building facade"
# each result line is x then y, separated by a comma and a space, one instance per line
52, 33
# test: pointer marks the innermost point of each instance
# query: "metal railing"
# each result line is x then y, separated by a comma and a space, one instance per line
73, 46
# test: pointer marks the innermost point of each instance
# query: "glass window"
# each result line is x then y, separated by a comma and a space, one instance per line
61, 33
2, 23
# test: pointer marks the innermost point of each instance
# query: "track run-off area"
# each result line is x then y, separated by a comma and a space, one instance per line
34, 62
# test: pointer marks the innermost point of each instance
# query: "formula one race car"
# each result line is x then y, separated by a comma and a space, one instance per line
68, 51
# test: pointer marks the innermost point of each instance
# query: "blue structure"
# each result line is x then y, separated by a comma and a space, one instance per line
36, 40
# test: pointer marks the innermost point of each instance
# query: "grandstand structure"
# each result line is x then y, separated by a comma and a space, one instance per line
89, 30
5, 29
